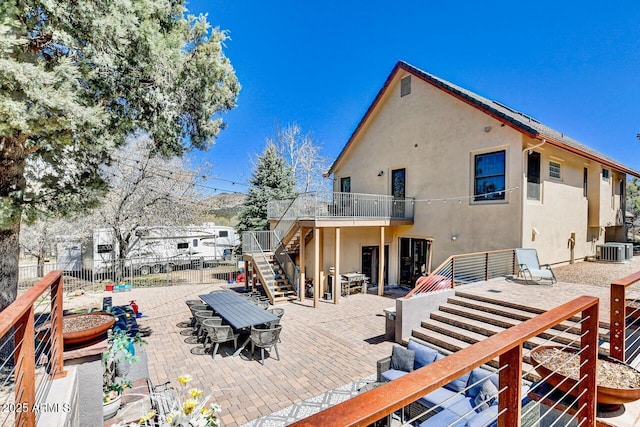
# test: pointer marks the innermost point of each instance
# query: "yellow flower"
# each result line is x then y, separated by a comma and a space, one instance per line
147, 417
189, 405
183, 379
170, 417
195, 392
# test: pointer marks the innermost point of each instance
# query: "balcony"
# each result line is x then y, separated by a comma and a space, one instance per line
330, 205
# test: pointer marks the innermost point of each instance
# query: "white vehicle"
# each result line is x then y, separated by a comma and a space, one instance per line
163, 248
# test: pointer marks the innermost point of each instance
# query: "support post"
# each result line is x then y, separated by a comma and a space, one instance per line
588, 365
24, 359
381, 263
509, 401
316, 265
337, 285
57, 363
618, 330
303, 263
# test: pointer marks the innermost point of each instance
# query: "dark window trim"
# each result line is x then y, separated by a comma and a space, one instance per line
498, 194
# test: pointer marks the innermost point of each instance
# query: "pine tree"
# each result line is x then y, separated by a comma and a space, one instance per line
77, 78
272, 180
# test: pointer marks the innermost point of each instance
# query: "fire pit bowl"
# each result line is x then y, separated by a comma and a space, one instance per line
81, 330
618, 382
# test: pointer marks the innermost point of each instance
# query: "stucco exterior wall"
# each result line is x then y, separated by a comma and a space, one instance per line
562, 208
434, 136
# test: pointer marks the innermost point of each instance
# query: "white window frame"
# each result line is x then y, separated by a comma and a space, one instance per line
560, 167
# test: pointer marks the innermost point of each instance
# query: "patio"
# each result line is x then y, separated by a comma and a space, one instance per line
322, 349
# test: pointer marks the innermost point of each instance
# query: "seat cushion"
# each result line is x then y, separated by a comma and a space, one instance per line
487, 395
444, 418
392, 374
459, 384
463, 408
476, 376
402, 358
442, 397
424, 354
484, 418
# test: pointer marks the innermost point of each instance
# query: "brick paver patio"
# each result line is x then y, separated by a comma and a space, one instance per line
321, 349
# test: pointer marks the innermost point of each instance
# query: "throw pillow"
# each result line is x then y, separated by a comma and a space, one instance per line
402, 359
486, 396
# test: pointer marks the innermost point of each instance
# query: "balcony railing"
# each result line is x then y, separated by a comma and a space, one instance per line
32, 363
341, 205
507, 346
467, 268
624, 320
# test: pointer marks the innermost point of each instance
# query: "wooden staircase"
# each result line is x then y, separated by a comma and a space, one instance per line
273, 280
467, 318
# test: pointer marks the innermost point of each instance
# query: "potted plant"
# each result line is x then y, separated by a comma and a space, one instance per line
116, 362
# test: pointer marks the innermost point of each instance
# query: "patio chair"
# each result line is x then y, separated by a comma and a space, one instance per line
217, 334
529, 267
207, 323
196, 307
265, 338
200, 316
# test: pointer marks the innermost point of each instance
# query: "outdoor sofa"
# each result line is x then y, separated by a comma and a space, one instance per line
465, 402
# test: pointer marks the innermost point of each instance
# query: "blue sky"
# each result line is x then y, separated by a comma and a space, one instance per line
575, 66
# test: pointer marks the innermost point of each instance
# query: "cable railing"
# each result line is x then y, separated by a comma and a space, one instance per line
625, 319
467, 268
31, 356
415, 397
342, 205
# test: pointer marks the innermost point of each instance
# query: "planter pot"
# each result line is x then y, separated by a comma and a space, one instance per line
608, 398
110, 409
108, 287
81, 330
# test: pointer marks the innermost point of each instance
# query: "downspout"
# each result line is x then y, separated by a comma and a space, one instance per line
523, 193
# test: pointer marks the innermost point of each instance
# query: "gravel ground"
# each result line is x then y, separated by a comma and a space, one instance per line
596, 273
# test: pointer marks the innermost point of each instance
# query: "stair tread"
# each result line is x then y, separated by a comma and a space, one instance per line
511, 305
502, 310
495, 319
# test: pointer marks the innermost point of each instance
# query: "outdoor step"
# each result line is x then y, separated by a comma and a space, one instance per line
452, 345
497, 309
472, 319
516, 306
463, 334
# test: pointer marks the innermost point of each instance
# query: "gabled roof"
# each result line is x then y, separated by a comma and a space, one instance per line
510, 117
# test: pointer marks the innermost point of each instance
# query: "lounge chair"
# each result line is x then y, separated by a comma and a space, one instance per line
529, 267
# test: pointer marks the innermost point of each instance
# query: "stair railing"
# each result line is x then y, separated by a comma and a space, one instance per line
382, 401
625, 319
32, 363
467, 268
252, 238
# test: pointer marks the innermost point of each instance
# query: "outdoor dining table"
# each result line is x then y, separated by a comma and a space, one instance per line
237, 311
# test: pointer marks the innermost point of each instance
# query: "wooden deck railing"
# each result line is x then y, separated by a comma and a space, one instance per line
19, 318
373, 405
618, 319
466, 268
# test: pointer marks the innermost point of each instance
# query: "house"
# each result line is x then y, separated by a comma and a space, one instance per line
434, 170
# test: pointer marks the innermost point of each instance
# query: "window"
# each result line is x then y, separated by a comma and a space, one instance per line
605, 174
489, 176
184, 245
223, 233
533, 176
195, 243
345, 184
585, 176
103, 249
554, 170
405, 86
